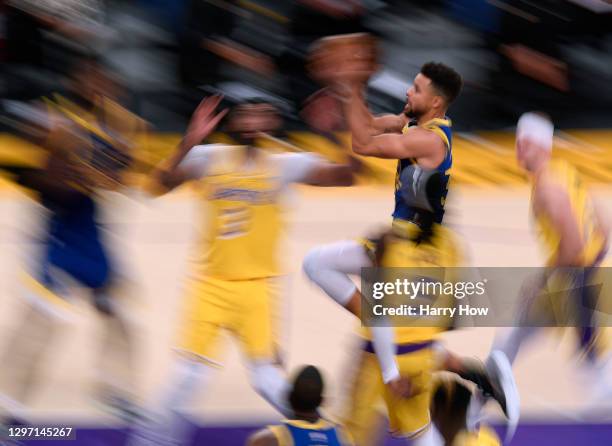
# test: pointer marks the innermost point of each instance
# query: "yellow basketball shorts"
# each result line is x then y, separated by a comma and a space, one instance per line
245, 308
407, 416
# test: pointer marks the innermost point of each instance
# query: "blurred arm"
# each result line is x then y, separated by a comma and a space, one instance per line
309, 168
241, 55
263, 437
553, 202
328, 174
171, 174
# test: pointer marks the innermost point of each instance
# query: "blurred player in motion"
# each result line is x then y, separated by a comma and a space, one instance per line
234, 282
421, 140
575, 235
430, 247
305, 426
88, 140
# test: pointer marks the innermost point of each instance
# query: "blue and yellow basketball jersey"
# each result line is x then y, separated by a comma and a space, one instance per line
566, 176
93, 138
442, 128
303, 433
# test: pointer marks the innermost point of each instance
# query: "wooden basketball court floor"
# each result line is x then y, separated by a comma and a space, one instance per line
151, 238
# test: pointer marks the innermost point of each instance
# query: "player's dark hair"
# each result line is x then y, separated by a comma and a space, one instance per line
240, 106
449, 406
444, 79
452, 398
307, 391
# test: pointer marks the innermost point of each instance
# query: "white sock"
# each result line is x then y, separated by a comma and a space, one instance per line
383, 339
269, 381
167, 426
187, 378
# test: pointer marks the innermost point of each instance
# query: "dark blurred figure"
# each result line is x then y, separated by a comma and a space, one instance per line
453, 404
530, 41
206, 44
44, 38
311, 20
88, 139
209, 54
204, 20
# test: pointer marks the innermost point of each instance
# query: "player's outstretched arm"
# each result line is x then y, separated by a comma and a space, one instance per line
419, 143
327, 174
203, 122
312, 169
263, 437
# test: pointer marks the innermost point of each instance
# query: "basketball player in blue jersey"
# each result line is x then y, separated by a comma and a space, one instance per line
305, 427
421, 140
84, 121
420, 137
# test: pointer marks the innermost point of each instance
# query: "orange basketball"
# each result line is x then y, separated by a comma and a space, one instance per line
343, 58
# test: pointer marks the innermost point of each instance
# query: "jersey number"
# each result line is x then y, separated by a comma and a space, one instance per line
234, 222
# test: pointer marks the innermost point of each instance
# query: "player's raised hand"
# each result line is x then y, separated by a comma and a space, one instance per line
203, 121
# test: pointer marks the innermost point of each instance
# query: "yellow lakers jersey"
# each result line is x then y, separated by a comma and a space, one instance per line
441, 254
242, 218
563, 174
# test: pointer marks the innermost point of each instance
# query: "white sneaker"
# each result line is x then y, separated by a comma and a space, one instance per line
500, 369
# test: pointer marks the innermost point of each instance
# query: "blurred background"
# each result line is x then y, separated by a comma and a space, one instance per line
553, 55
165, 55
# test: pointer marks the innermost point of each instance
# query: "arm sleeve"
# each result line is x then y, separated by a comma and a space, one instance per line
295, 167
197, 163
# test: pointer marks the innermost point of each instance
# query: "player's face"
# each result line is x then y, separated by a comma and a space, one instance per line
251, 120
419, 97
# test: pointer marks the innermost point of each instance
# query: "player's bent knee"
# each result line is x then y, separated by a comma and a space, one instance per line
311, 264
